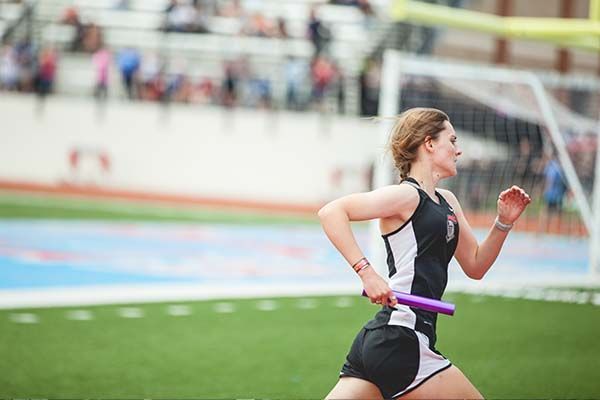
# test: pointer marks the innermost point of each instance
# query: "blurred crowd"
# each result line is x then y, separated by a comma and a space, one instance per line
25, 68
151, 77
300, 83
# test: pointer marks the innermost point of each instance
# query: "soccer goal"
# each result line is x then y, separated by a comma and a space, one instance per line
536, 130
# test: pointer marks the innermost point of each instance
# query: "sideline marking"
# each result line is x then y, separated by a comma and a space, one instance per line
344, 302
130, 312
79, 315
178, 310
24, 318
306, 304
267, 305
224, 308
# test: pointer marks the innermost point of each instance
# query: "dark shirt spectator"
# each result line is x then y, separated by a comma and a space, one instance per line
230, 84
71, 17
318, 33
282, 31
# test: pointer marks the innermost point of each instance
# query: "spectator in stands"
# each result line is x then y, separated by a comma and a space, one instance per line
201, 22
281, 31
318, 33
323, 75
27, 58
152, 78
9, 68
101, 61
178, 87
185, 18
555, 189
230, 84
171, 6
339, 88
46, 71
93, 38
296, 74
204, 92
258, 85
129, 64
231, 9
555, 186
71, 17
370, 80
258, 25
363, 5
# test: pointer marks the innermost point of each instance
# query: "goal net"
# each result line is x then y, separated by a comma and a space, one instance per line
538, 131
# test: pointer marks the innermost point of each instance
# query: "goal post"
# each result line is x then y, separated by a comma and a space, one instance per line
517, 109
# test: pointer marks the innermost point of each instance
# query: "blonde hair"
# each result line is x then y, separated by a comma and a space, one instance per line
411, 129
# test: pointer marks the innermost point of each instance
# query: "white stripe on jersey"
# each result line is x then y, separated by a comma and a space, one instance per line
403, 245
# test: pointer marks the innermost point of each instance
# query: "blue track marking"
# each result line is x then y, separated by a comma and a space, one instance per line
46, 254
64, 255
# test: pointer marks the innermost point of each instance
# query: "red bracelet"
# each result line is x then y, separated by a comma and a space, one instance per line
360, 265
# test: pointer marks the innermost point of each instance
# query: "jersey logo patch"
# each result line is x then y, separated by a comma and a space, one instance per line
450, 227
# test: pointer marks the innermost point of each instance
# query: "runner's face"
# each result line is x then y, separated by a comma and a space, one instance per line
446, 151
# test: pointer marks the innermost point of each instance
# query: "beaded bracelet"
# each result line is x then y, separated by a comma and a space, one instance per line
360, 265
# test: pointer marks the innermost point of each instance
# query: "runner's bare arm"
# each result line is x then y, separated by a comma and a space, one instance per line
389, 201
476, 259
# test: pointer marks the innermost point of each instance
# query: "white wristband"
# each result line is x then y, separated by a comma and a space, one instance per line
501, 226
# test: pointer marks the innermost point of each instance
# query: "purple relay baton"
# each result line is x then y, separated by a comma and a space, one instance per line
423, 303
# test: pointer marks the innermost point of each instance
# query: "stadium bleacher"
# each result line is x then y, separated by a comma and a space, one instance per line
140, 26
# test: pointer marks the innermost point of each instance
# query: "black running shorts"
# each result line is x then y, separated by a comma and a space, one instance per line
395, 358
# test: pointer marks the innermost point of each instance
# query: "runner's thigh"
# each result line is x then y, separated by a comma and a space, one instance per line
448, 384
354, 388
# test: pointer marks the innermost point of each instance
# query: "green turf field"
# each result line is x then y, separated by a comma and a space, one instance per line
36, 206
510, 348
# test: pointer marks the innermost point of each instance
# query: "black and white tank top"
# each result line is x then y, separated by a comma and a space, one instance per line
418, 254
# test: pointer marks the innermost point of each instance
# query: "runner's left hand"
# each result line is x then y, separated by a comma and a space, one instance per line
511, 203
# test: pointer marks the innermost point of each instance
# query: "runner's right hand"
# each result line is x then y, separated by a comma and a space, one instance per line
377, 288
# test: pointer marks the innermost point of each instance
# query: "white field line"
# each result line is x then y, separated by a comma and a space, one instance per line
307, 304
79, 315
161, 293
24, 318
179, 310
130, 312
224, 308
123, 294
267, 305
344, 302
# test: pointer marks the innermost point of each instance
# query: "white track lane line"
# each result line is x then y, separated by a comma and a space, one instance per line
130, 312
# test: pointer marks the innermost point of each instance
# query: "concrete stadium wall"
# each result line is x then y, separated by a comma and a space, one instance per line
291, 158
